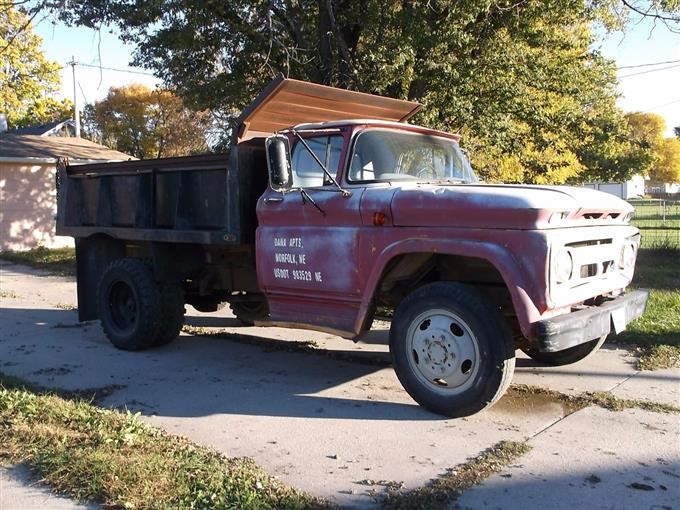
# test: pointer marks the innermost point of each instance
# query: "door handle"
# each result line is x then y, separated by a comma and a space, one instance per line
273, 200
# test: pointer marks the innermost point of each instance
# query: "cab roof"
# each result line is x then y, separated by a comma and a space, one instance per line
336, 124
286, 102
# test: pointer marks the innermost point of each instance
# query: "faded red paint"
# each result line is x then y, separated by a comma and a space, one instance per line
330, 279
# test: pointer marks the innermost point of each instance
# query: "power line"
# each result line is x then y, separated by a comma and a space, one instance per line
115, 69
662, 105
649, 65
648, 71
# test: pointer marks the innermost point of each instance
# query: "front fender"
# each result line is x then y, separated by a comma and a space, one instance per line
527, 292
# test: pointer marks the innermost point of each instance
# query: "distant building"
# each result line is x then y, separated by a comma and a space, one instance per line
632, 188
28, 197
58, 128
664, 189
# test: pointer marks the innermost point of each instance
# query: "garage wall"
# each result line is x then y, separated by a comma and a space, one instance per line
28, 205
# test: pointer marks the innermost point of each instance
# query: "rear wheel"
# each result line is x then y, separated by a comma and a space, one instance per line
129, 304
250, 311
172, 313
451, 349
566, 356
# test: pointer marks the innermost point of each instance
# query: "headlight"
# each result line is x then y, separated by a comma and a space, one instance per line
628, 256
564, 266
558, 216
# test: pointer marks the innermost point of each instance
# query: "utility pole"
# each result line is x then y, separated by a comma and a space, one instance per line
76, 113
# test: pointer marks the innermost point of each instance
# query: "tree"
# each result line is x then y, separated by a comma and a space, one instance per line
518, 79
146, 123
26, 76
646, 129
46, 110
668, 167
663, 154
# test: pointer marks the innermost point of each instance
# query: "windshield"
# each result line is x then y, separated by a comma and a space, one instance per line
388, 155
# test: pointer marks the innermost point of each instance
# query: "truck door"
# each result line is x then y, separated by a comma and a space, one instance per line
306, 254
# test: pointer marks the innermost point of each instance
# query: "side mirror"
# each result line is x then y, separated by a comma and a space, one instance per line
278, 161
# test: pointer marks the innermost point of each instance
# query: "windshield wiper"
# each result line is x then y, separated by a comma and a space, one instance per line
344, 192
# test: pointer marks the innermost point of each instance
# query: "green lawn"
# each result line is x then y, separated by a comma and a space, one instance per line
657, 332
95, 454
659, 223
61, 261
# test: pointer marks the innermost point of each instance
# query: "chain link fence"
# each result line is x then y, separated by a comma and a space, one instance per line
658, 221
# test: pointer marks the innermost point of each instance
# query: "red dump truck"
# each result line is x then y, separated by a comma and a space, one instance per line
330, 207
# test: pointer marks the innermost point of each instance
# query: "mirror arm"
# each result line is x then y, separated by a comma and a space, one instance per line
307, 196
344, 192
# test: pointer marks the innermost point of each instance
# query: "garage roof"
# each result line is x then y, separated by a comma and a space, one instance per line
31, 147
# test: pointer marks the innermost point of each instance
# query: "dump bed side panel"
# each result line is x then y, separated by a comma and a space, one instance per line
196, 199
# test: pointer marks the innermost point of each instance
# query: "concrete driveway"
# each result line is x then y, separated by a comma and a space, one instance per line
330, 417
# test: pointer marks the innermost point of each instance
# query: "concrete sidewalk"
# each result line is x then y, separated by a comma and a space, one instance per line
20, 490
341, 426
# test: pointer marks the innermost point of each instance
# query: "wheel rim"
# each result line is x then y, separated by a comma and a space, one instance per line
122, 306
442, 351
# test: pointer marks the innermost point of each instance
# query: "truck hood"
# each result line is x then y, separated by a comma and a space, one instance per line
505, 206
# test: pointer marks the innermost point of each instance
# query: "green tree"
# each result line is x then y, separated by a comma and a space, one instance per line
146, 123
668, 167
519, 80
27, 78
662, 154
646, 129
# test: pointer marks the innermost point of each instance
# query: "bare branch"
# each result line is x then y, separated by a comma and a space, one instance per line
648, 13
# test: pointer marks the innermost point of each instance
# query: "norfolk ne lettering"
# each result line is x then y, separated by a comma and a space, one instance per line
290, 258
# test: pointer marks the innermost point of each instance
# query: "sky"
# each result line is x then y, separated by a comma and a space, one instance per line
650, 88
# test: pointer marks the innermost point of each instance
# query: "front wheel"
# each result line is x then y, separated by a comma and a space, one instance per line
451, 349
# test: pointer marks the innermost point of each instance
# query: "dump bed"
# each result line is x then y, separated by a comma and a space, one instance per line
208, 199
205, 199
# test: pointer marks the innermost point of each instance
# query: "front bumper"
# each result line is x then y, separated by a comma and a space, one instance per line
582, 326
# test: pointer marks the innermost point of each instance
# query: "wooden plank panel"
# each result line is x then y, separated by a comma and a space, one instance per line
342, 95
285, 99
286, 102
301, 115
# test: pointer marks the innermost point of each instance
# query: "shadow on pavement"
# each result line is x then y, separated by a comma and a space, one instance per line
238, 374
199, 376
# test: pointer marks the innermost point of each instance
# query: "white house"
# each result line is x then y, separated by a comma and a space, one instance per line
28, 197
632, 188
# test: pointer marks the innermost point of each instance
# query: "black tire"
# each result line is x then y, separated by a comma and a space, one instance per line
129, 304
567, 356
172, 313
250, 311
451, 349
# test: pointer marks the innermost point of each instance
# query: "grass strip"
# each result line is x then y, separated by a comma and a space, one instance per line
602, 399
59, 261
115, 459
658, 357
655, 337
444, 490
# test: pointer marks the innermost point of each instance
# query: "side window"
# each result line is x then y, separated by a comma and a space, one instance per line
306, 171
